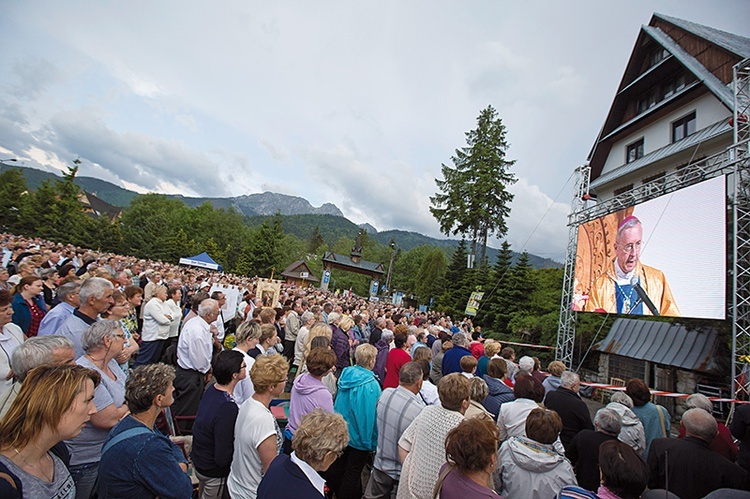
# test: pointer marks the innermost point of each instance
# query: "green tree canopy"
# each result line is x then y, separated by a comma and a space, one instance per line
473, 200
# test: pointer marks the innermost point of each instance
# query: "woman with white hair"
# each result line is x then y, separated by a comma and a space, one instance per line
102, 342
722, 443
632, 429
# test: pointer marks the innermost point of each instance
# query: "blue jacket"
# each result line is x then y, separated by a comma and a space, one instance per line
357, 401
22, 311
499, 393
144, 465
452, 359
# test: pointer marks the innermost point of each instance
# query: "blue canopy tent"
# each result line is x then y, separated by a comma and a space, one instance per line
203, 261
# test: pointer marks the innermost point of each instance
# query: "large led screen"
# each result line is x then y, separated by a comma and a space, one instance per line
665, 256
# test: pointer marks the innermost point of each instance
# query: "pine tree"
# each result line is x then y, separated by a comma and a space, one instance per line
13, 200
473, 200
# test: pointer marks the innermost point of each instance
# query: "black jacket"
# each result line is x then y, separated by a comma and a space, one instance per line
583, 453
693, 468
572, 410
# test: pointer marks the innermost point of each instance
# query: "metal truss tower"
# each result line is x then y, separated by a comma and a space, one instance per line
566, 328
740, 304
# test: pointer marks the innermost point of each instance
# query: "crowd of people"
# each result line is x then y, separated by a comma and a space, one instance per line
108, 361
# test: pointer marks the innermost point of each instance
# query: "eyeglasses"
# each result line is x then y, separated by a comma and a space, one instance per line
120, 336
628, 248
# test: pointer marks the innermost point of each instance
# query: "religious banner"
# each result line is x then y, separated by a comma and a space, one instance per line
472, 306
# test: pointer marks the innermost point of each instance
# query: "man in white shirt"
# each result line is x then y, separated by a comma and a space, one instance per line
194, 353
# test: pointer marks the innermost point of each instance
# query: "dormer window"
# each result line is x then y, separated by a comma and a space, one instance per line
683, 127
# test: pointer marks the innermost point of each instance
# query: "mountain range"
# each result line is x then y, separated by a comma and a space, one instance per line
299, 216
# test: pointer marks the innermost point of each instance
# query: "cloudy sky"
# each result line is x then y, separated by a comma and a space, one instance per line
350, 102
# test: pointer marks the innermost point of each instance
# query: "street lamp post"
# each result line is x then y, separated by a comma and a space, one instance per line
390, 266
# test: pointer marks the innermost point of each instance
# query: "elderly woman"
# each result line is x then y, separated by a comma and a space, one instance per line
511, 420
258, 438
655, 418
28, 305
632, 429
471, 454
318, 442
357, 401
722, 443
102, 342
246, 338
137, 460
309, 392
552, 382
11, 337
530, 465
491, 348
479, 392
213, 431
53, 405
119, 312
157, 318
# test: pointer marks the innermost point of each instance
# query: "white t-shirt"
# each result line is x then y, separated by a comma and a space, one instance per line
255, 423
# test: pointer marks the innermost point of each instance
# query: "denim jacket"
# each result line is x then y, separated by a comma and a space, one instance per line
144, 465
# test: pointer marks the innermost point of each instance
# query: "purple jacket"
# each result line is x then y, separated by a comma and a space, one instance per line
308, 394
340, 346
380, 360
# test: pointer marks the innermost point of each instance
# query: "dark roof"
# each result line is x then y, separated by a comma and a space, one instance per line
298, 267
733, 43
100, 207
370, 267
663, 343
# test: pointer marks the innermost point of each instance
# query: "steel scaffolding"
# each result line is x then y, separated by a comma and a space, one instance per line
740, 303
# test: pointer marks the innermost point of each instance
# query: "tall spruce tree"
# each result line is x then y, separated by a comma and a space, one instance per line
473, 200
